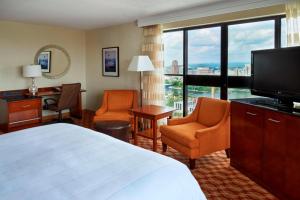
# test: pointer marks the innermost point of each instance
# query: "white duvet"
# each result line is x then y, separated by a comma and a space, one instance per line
67, 162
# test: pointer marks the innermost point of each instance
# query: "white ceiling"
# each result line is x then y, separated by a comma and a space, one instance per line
89, 14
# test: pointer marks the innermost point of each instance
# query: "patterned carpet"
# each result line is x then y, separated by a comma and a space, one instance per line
216, 178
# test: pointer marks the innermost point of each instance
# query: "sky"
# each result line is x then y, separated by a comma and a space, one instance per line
204, 44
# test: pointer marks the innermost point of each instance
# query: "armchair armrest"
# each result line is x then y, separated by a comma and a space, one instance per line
216, 137
103, 107
210, 130
101, 110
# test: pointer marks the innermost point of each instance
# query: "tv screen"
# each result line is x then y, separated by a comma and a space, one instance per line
276, 73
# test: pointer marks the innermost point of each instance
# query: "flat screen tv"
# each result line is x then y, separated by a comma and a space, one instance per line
275, 73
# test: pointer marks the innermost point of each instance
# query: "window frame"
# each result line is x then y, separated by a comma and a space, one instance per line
223, 80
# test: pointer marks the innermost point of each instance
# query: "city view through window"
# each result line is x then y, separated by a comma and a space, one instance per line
204, 58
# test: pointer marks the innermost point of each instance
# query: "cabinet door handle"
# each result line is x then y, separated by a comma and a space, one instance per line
274, 120
250, 113
26, 106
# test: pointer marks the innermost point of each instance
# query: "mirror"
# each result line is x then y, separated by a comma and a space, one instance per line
54, 60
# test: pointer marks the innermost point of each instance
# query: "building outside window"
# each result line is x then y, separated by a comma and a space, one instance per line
244, 38
204, 51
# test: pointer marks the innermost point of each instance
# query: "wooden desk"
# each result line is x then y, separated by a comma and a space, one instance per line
153, 113
20, 111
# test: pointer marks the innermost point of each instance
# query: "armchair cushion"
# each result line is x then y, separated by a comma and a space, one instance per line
185, 134
111, 115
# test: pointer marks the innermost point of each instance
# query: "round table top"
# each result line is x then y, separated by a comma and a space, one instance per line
112, 124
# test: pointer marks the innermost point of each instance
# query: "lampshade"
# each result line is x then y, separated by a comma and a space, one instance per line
32, 71
140, 64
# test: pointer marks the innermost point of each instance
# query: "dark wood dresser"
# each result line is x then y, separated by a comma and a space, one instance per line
16, 112
265, 146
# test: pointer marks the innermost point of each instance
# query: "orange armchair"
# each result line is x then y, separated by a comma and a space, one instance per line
204, 131
115, 105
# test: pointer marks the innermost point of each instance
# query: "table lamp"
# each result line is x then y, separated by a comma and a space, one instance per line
141, 64
32, 71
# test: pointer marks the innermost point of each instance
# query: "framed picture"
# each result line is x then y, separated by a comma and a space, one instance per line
110, 61
44, 60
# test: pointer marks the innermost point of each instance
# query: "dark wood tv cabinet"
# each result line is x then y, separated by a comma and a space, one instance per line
265, 146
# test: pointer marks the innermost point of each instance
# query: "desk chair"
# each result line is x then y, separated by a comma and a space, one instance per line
68, 99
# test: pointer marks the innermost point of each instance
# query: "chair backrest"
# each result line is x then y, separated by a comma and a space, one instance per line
211, 111
120, 99
69, 96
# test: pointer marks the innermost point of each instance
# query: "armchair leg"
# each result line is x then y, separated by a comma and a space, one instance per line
227, 151
165, 147
192, 163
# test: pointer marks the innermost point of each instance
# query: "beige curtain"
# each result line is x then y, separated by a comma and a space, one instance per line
153, 82
293, 22
293, 25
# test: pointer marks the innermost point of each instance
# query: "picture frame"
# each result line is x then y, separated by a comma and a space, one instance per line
44, 59
110, 61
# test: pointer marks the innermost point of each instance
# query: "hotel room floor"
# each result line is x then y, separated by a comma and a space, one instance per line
216, 177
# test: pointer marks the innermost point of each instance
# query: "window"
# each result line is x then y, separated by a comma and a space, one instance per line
173, 52
242, 39
239, 93
283, 32
215, 60
173, 67
204, 51
174, 93
200, 91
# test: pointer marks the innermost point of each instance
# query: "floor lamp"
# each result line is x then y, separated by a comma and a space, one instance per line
141, 64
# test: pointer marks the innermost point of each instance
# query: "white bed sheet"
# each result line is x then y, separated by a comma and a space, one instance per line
68, 162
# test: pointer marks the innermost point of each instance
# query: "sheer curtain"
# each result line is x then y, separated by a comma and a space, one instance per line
293, 26
293, 22
153, 82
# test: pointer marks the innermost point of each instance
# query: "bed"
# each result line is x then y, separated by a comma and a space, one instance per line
68, 162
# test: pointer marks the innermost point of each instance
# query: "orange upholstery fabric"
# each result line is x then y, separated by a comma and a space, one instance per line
119, 115
204, 131
211, 111
115, 105
179, 133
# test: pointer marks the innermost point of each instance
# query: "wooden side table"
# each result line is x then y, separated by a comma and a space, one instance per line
153, 113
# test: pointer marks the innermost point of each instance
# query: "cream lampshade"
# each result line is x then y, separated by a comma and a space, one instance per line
32, 71
141, 64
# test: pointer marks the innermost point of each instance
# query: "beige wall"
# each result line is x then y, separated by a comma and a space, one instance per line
128, 37
247, 14
19, 43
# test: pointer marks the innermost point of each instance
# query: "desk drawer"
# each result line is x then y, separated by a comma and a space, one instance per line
24, 117
19, 106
